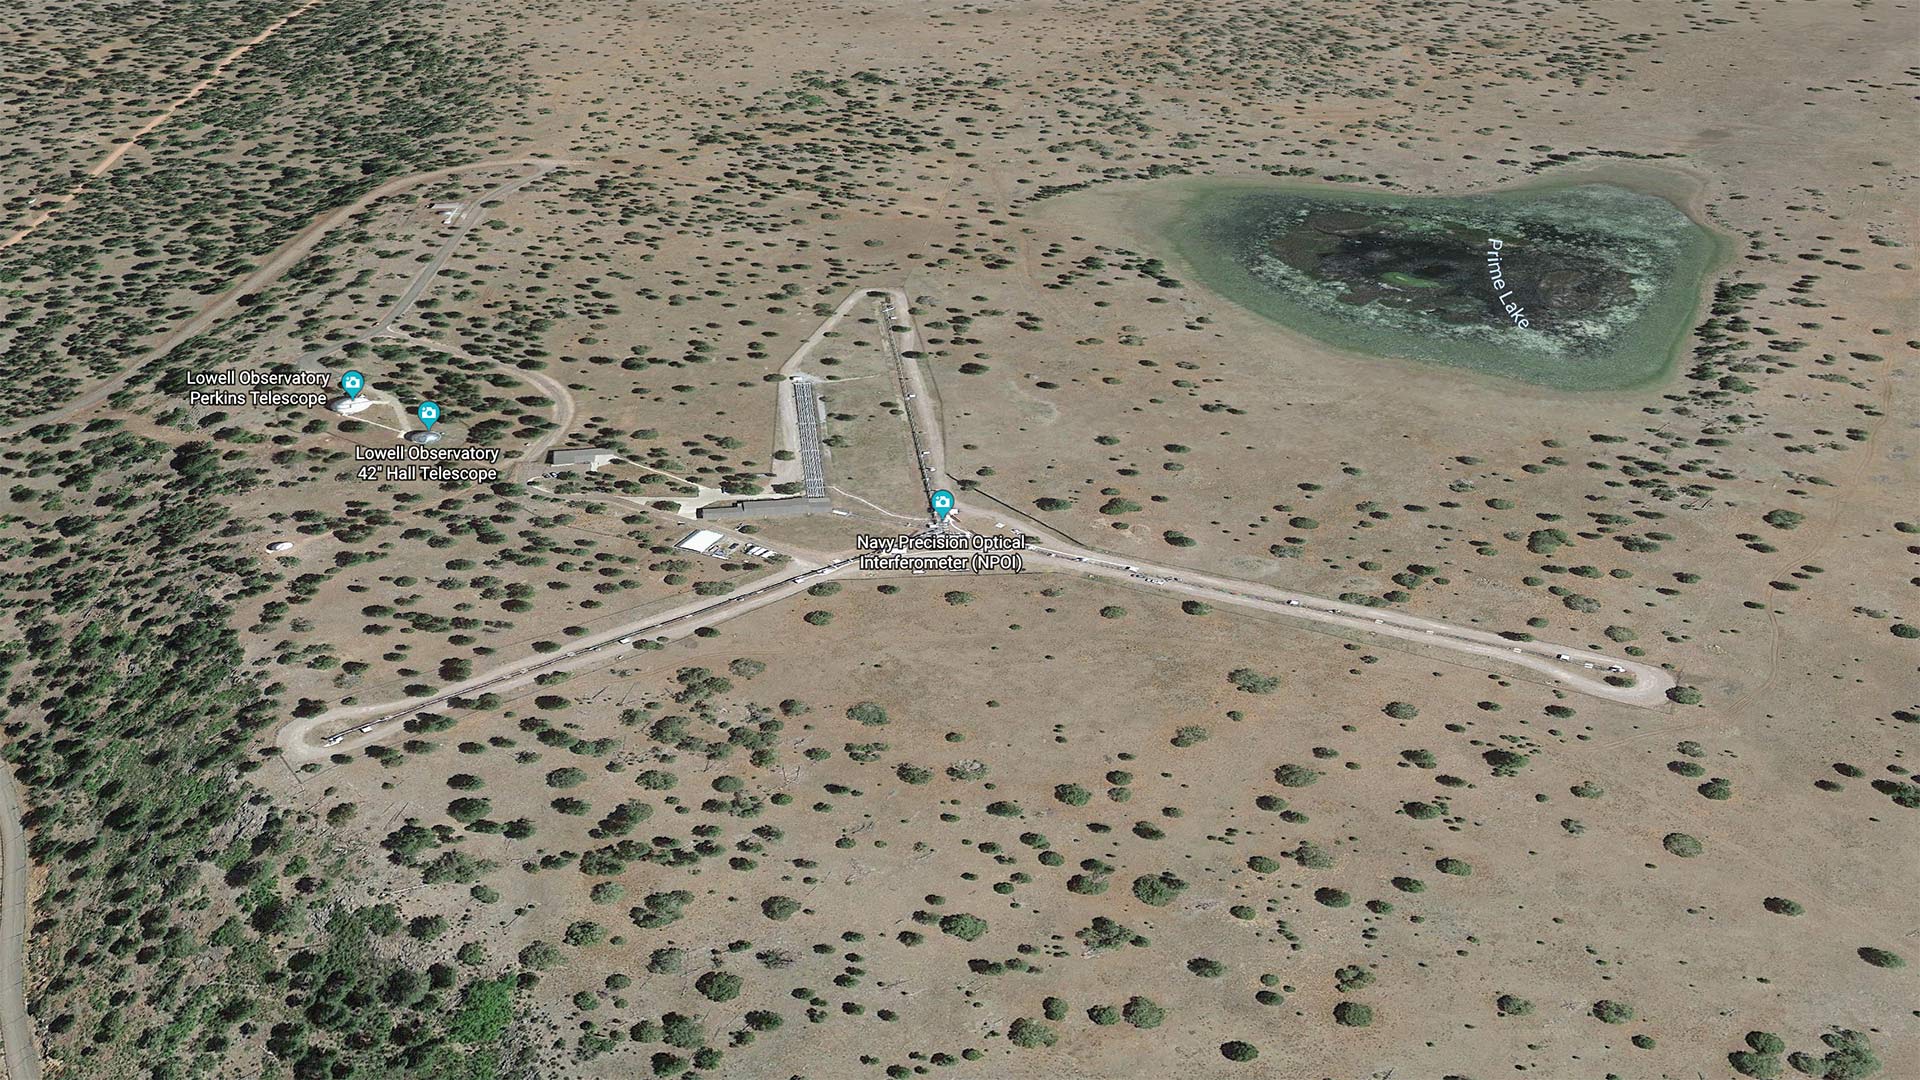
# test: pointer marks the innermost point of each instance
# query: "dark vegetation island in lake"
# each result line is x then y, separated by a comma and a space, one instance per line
1586, 287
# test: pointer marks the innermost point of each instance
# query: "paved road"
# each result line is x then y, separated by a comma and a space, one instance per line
923, 420
16, 1027
786, 472
1580, 670
470, 215
1650, 682
305, 740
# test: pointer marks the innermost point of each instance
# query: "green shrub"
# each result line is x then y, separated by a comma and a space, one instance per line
1295, 776
1881, 958
1142, 1012
1158, 890
963, 926
1682, 845
1612, 1012
1028, 1033
718, 986
1352, 1014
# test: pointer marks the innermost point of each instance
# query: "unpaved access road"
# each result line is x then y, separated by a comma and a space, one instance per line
282, 260
1575, 669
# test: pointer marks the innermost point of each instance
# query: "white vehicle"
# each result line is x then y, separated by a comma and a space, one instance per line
1589, 667
597, 648
364, 728
919, 571
1293, 603
1562, 656
628, 640
1517, 648
280, 545
333, 740
1615, 667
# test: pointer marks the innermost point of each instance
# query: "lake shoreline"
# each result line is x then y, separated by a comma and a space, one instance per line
1178, 219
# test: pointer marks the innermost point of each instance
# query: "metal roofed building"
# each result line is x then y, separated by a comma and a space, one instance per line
699, 542
764, 508
591, 457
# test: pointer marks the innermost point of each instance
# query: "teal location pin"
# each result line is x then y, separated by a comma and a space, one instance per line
429, 414
942, 504
353, 382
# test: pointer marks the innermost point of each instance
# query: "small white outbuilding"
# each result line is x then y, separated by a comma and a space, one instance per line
700, 542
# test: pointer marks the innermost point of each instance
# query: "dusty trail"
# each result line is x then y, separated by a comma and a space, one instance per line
21, 1058
286, 258
119, 152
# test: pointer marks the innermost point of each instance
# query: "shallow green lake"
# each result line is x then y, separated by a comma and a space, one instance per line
1584, 287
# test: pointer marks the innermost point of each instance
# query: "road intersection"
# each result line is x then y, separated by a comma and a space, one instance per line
1579, 670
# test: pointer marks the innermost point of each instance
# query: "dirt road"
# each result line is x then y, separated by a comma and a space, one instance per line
286, 258
16, 1027
119, 152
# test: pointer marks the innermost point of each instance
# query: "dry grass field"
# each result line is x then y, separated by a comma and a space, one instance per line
888, 824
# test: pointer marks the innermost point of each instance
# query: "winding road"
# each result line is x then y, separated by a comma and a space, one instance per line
21, 1060
285, 258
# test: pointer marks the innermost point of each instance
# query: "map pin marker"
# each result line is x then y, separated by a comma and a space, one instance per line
429, 414
942, 504
353, 382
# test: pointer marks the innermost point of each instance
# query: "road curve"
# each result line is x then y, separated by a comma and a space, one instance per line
564, 405
1579, 670
285, 258
16, 868
1650, 683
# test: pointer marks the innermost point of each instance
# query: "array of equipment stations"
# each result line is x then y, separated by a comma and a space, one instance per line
353, 382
